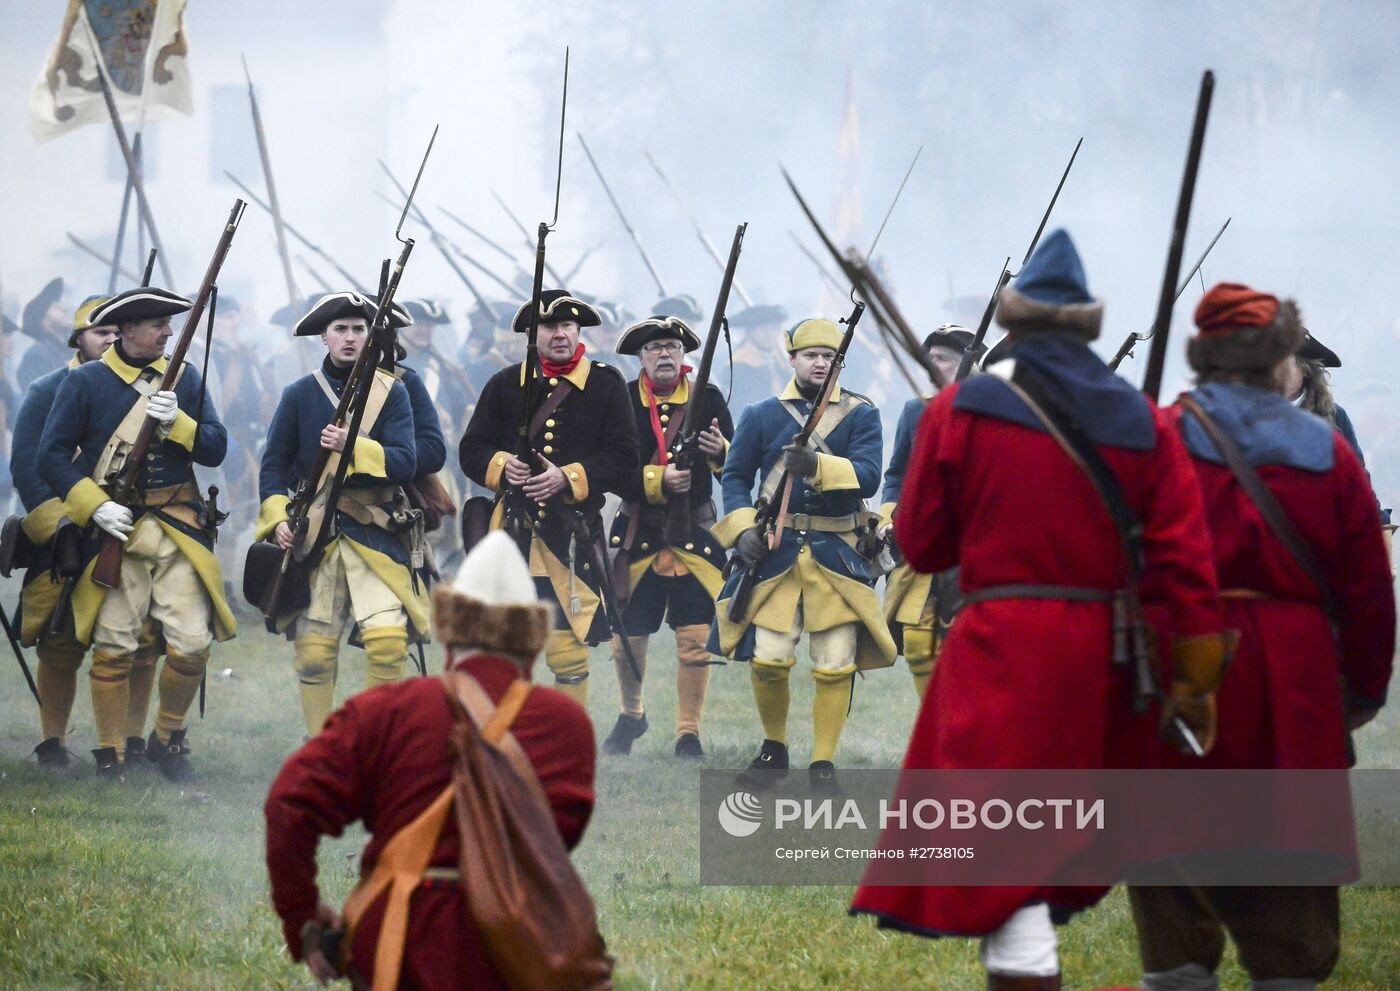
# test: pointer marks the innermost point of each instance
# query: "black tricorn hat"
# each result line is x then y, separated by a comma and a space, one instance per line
141, 303
424, 312
955, 336
556, 306
330, 307
31, 320
999, 350
656, 329
1315, 350
681, 305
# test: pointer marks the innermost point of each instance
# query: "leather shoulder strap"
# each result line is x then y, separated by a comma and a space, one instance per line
1268, 505
494, 721
550, 405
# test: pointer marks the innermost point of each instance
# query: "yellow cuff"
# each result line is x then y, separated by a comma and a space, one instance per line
495, 469
834, 474
182, 431
718, 466
368, 458
727, 530
40, 523
652, 477
83, 499
887, 513
578, 482
273, 511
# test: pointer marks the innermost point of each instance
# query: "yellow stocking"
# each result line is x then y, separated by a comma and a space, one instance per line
918, 651
57, 677
387, 650
829, 707
692, 677
770, 692
315, 665
110, 684
179, 683
627, 684
568, 659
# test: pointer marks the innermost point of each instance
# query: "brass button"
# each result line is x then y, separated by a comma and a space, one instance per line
665, 407
540, 515
646, 546
549, 423
616, 541
802, 550
548, 449
665, 418
548, 436
150, 457
705, 549
573, 475
553, 381
690, 547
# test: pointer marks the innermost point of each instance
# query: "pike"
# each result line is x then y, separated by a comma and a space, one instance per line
278, 225
442, 246
107, 569
617, 207
121, 222
306, 242
484, 239
1126, 350
312, 507
82, 245
133, 167
19, 655
827, 277
529, 244
969, 353
695, 224
686, 453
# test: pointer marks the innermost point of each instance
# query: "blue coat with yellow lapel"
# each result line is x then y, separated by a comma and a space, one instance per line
89, 405
821, 571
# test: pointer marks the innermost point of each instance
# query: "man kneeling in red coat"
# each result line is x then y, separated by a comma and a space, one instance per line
385, 757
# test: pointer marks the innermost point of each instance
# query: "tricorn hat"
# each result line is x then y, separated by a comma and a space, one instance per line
141, 303
955, 336
556, 306
1315, 350
656, 328
331, 307
492, 604
31, 320
1051, 292
82, 318
681, 305
424, 312
1242, 330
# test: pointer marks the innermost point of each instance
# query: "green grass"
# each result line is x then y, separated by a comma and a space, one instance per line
153, 886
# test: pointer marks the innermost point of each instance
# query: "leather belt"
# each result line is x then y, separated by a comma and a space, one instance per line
442, 875
1242, 593
169, 494
822, 524
1066, 593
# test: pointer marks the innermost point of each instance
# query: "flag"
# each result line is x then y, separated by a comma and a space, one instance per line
143, 54
847, 228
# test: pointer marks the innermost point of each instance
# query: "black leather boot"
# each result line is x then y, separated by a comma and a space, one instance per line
171, 758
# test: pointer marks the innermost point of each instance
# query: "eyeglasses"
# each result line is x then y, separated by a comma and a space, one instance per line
663, 347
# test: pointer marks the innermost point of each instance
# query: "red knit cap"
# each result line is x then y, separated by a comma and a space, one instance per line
1229, 306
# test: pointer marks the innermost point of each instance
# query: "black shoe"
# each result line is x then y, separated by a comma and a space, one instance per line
171, 758
624, 732
821, 779
767, 769
109, 767
688, 745
52, 755
135, 750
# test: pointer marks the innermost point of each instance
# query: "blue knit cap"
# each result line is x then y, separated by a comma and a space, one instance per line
1054, 273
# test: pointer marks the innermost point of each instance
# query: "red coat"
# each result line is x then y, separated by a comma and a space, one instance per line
1030, 683
382, 759
1282, 702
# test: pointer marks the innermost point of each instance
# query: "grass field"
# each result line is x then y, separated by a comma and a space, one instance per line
152, 886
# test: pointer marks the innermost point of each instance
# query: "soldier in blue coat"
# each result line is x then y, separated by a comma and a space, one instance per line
817, 578
168, 570
371, 574
920, 607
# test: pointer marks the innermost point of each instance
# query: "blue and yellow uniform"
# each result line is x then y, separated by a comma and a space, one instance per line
370, 571
816, 579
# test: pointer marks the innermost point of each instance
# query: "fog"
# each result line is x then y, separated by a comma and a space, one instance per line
1301, 150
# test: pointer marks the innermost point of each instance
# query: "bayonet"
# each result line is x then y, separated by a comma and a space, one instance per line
627, 226
446, 249
121, 222
306, 242
529, 241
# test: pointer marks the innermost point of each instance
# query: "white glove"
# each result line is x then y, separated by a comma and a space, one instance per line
163, 407
114, 519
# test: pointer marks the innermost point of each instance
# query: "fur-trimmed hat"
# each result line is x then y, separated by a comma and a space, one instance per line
141, 303
815, 333
425, 312
556, 306
955, 336
657, 328
492, 605
82, 317
1242, 330
1315, 350
1051, 292
31, 320
682, 305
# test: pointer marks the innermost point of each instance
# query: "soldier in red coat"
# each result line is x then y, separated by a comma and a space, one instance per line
385, 756
1027, 678
1294, 691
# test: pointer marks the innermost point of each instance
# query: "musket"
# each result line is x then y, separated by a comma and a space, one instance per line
82, 245
529, 243
705, 241
133, 168
485, 240
445, 249
769, 515
1126, 350
331, 467
150, 269
970, 352
19, 655
686, 453
121, 222
617, 207
107, 569
306, 242
293, 293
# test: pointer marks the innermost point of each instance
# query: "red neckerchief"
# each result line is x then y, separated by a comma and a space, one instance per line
551, 370
661, 452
